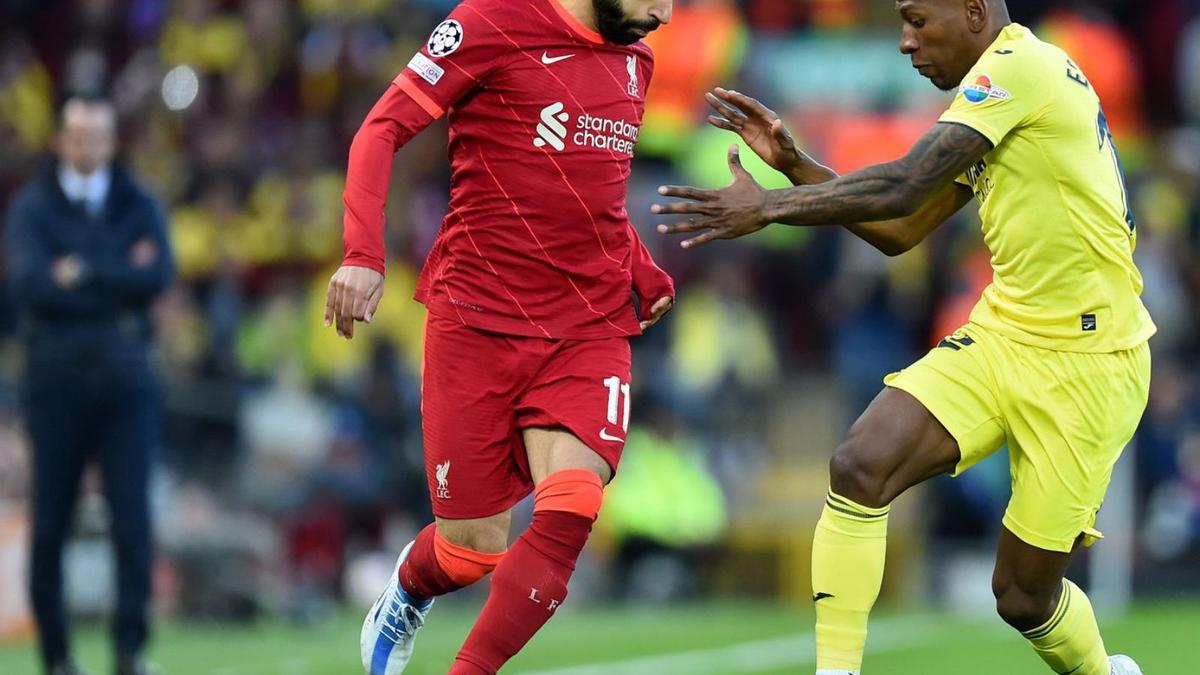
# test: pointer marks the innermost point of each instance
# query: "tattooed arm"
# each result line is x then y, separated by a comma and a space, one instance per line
911, 196
895, 235
893, 190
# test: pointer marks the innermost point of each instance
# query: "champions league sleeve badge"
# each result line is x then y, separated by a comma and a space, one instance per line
446, 38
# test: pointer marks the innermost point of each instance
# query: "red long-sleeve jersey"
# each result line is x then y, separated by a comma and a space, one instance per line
543, 118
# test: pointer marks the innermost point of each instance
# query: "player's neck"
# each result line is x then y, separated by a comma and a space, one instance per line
581, 10
988, 37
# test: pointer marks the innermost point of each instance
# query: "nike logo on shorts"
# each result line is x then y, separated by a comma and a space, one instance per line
546, 59
605, 436
821, 596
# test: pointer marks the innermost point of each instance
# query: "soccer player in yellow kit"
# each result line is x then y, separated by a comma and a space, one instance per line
1054, 360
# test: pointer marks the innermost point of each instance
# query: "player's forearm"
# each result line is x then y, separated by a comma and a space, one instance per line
393, 121
650, 282
889, 236
891, 206
368, 174
877, 193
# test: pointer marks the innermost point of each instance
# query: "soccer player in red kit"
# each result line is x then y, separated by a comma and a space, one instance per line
530, 289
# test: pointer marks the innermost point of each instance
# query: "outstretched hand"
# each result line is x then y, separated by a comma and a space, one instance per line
733, 211
759, 126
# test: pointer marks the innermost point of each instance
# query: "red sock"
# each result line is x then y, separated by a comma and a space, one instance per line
531, 581
436, 567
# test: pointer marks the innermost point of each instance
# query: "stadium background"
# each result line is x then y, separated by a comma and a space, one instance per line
291, 470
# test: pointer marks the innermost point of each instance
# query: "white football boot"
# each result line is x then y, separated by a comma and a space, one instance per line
1123, 665
391, 627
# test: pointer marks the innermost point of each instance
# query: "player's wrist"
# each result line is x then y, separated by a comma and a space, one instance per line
771, 210
805, 170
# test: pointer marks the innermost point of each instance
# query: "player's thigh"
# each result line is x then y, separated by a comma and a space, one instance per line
473, 461
895, 444
554, 449
576, 412
937, 416
1070, 417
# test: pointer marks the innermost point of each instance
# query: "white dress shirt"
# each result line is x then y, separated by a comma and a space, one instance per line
90, 189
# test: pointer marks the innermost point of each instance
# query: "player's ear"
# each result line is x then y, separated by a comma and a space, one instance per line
978, 12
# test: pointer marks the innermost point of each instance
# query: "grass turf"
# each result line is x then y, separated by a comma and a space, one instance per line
1165, 638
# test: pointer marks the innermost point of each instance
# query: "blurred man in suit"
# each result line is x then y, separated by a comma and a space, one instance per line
87, 253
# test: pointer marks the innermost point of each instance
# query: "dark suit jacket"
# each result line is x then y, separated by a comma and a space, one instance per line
100, 327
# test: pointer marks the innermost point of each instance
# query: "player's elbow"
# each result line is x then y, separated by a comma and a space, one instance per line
894, 246
898, 238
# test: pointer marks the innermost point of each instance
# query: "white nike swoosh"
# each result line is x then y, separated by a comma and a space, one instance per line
605, 436
546, 59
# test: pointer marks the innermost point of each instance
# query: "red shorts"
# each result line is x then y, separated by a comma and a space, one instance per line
480, 389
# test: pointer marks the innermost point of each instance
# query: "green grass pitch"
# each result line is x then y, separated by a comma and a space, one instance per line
708, 639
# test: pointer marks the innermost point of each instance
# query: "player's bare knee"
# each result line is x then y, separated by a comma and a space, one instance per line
854, 476
1020, 608
483, 535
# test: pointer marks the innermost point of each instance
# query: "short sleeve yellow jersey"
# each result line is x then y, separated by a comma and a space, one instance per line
1053, 202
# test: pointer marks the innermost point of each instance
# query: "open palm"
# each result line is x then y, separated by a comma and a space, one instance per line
758, 125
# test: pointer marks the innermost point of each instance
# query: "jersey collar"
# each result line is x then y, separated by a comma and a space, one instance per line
579, 29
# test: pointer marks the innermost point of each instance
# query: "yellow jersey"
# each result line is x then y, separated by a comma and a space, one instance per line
1053, 202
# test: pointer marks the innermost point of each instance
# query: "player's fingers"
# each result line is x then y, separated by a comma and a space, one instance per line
689, 225
703, 239
722, 123
373, 302
358, 305
345, 325
744, 103
735, 163
684, 208
650, 322
329, 300
748, 104
686, 192
342, 306
724, 109
345, 306
337, 292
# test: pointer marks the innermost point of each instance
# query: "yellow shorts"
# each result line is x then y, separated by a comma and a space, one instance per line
1065, 417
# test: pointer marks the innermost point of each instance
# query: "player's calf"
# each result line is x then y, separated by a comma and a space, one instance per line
1069, 641
531, 582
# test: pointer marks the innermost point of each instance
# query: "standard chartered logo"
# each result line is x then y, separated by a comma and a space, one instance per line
551, 130
590, 131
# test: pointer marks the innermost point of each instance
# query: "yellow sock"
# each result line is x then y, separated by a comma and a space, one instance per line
847, 570
1070, 641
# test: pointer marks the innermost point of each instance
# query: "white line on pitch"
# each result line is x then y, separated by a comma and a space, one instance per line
753, 657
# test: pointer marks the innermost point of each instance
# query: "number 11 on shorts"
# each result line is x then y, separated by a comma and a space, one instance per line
616, 392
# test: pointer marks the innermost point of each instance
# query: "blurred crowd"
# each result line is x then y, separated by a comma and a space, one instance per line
295, 455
